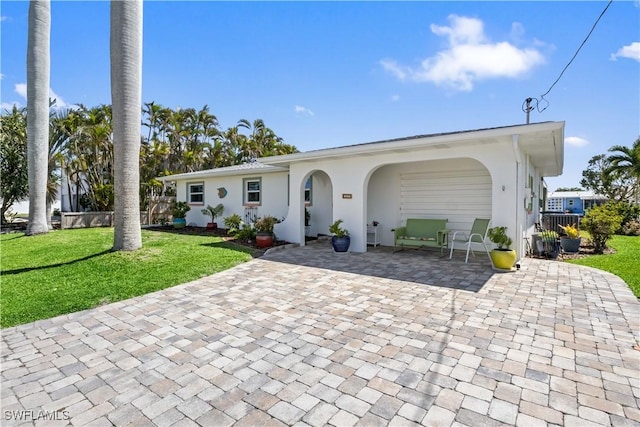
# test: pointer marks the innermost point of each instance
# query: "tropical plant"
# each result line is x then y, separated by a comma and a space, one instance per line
266, 224
213, 212
13, 160
626, 159
38, 71
601, 222
337, 230
245, 233
232, 223
571, 230
307, 217
549, 235
126, 95
180, 209
614, 184
498, 235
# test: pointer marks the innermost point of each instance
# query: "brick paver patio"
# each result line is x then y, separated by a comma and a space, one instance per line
308, 337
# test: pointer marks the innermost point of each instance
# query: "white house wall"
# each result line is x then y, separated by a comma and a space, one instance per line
274, 196
350, 180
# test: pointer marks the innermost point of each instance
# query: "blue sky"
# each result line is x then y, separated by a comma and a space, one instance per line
328, 74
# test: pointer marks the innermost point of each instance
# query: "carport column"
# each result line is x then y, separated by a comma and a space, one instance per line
519, 208
349, 200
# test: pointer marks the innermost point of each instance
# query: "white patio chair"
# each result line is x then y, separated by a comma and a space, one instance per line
478, 234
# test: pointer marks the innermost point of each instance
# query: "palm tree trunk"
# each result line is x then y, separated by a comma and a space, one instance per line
126, 98
38, 69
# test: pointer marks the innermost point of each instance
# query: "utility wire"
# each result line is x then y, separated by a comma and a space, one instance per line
537, 103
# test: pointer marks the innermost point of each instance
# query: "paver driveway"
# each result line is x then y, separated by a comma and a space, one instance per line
305, 336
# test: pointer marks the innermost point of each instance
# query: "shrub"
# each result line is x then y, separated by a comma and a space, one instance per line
246, 233
601, 222
232, 223
631, 228
628, 212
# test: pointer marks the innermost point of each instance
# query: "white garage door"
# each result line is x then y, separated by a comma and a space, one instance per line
456, 190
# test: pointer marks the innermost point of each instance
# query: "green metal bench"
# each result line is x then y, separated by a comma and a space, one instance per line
422, 232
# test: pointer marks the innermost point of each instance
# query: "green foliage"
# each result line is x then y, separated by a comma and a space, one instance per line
213, 212
180, 209
549, 235
232, 223
628, 211
601, 222
307, 217
71, 270
246, 233
336, 230
13, 160
623, 263
631, 228
614, 184
266, 224
498, 235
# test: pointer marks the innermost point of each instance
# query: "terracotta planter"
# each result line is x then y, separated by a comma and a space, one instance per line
264, 240
503, 259
212, 226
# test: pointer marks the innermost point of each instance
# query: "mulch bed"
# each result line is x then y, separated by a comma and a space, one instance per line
218, 232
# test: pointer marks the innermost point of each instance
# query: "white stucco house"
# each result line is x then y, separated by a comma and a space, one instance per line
492, 173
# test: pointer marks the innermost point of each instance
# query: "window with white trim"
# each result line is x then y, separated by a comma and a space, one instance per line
252, 191
195, 192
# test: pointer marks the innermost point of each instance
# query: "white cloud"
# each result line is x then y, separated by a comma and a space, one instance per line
395, 98
575, 141
469, 57
21, 89
9, 106
631, 51
299, 109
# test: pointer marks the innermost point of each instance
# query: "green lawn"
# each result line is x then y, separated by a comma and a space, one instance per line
625, 263
70, 270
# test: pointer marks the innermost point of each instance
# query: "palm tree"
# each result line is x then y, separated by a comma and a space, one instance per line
626, 162
38, 69
126, 98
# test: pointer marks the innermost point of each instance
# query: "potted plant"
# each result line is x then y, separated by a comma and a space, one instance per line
264, 231
179, 211
570, 242
502, 257
213, 213
549, 240
340, 239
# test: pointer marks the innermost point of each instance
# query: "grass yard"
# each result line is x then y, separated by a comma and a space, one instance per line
625, 263
71, 270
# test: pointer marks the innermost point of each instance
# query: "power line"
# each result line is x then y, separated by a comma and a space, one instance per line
526, 105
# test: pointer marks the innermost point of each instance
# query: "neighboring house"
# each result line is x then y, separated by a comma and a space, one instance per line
492, 173
576, 202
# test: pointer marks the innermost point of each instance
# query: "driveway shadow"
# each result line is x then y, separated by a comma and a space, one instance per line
416, 266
